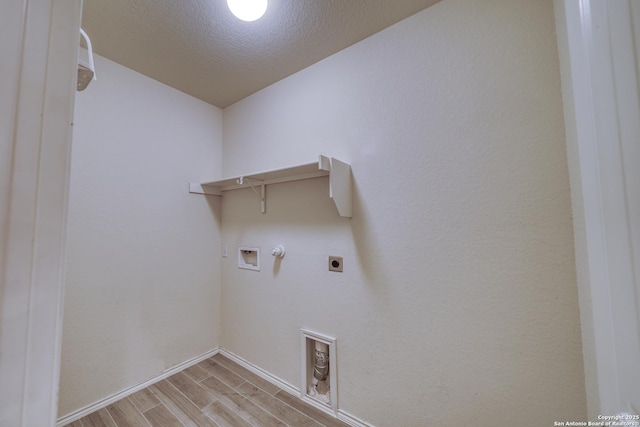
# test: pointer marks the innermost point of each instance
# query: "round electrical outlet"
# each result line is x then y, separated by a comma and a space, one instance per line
335, 263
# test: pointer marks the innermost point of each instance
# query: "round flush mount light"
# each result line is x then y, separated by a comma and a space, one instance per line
248, 10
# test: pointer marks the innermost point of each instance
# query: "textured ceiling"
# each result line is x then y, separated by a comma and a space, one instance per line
199, 47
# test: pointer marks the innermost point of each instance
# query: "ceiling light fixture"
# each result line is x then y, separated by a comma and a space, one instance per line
248, 10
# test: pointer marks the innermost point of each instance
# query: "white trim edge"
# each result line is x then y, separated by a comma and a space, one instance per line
261, 373
352, 420
294, 391
600, 97
38, 57
76, 415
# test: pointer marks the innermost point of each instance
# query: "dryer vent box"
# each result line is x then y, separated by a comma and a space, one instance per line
325, 393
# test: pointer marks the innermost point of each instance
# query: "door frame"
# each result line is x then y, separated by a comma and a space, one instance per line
37, 107
38, 55
601, 104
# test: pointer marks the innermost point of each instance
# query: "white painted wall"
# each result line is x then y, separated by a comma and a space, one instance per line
143, 268
458, 302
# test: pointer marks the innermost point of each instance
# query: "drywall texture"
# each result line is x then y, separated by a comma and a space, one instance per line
195, 46
458, 302
143, 270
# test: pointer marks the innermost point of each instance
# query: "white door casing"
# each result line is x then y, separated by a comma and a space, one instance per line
38, 62
38, 44
598, 46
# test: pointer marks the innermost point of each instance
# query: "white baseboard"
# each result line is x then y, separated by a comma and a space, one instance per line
341, 415
76, 415
261, 372
352, 420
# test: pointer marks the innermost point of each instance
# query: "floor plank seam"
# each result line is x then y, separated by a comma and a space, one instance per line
244, 417
214, 392
266, 410
144, 412
238, 370
111, 418
287, 406
187, 397
171, 410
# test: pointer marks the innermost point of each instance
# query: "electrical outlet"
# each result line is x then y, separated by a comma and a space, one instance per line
335, 263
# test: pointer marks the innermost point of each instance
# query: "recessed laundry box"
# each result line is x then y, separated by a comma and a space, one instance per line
319, 384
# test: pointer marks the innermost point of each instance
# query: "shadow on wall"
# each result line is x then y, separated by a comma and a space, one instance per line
304, 215
367, 247
301, 217
303, 208
215, 205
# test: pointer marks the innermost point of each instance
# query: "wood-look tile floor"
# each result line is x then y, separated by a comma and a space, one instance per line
214, 392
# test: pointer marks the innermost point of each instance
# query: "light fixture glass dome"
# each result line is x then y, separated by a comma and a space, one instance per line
248, 10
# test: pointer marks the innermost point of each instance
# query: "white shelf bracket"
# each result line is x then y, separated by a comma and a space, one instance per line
262, 194
339, 173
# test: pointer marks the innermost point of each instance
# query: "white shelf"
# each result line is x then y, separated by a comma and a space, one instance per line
339, 181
